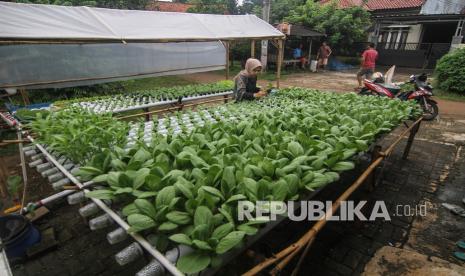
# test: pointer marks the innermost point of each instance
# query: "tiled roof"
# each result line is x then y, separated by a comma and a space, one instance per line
374, 5
393, 4
167, 6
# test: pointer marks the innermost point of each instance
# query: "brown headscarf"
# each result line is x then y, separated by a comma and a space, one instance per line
250, 65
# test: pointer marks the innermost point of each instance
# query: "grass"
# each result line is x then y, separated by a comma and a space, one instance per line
450, 96
446, 95
149, 83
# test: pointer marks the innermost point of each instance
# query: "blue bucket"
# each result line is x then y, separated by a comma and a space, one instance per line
18, 234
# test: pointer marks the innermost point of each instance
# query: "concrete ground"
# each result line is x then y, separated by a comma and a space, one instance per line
434, 173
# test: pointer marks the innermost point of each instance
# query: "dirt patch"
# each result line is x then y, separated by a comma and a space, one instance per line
395, 261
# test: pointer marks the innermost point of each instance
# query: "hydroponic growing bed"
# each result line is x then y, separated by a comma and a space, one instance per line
178, 180
151, 98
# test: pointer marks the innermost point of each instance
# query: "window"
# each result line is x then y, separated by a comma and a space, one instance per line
394, 37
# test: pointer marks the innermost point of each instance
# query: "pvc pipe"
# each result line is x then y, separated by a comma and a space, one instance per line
76, 198
37, 157
100, 222
28, 148
117, 236
89, 210
30, 153
55, 177
59, 184
143, 242
43, 167
129, 254
155, 268
34, 164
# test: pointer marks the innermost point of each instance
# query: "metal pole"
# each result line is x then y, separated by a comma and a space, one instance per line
266, 17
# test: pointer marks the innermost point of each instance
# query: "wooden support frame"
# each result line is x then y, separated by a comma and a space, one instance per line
252, 49
226, 46
279, 62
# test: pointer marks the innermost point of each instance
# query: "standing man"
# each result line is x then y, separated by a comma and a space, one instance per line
323, 54
367, 67
297, 54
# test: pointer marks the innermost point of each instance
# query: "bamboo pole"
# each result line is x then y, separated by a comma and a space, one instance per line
279, 63
23, 170
287, 254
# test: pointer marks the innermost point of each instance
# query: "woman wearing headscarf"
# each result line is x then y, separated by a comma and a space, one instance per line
245, 83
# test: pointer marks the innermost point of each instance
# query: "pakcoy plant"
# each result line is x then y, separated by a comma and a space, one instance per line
79, 135
186, 188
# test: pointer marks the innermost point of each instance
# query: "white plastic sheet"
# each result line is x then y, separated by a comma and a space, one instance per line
67, 65
29, 21
64, 65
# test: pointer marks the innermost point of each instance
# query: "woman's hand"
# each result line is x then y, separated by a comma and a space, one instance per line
259, 94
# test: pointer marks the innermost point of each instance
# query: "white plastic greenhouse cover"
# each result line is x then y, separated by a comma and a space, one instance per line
29, 21
56, 65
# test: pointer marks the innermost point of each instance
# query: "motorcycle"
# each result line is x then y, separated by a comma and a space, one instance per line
421, 94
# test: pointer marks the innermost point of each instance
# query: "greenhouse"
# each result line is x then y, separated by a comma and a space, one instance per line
163, 172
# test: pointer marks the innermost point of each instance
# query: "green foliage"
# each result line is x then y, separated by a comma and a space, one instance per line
280, 9
343, 26
213, 6
450, 72
78, 134
26, 115
14, 183
186, 187
112, 4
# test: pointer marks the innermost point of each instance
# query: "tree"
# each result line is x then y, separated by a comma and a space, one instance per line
112, 4
344, 27
450, 72
214, 6
280, 9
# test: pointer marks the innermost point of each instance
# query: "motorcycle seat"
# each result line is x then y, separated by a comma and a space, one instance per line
394, 89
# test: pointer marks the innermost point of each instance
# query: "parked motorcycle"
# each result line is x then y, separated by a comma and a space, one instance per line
422, 93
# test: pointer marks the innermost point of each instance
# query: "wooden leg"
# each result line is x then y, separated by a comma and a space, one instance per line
279, 62
411, 137
147, 116
372, 179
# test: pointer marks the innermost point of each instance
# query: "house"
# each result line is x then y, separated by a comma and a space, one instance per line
164, 6
414, 33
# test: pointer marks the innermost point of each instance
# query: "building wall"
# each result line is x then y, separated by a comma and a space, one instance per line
414, 34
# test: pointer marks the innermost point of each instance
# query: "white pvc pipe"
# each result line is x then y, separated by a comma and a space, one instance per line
143, 242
